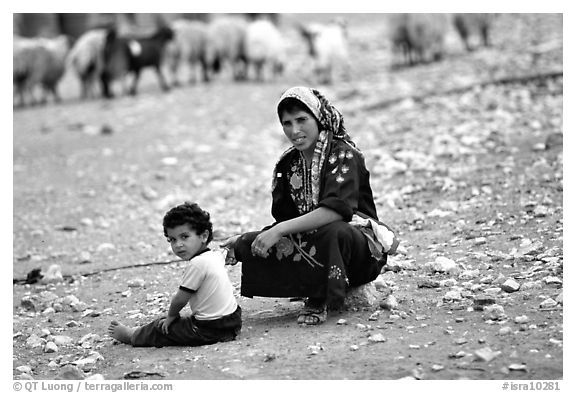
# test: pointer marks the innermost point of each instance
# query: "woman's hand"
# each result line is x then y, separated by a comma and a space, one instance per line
264, 241
165, 324
229, 246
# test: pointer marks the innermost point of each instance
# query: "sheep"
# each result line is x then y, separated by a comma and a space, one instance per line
39, 62
87, 58
328, 46
124, 55
226, 46
469, 25
420, 36
187, 48
265, 45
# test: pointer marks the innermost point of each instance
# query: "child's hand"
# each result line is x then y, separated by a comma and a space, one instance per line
166, 324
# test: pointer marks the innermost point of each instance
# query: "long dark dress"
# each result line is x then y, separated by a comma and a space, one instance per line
324, 262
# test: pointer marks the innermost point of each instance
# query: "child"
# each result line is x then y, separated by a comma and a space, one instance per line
205, 286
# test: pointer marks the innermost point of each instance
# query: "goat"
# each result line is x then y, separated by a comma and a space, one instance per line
328, 46
265, 45
187, 48
226, 46
469, 25
87, 58
39, 62
124, 55
420, 36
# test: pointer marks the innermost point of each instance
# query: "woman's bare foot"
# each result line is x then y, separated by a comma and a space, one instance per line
120, 332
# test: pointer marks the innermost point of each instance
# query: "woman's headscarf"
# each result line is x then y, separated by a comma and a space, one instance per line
331, 126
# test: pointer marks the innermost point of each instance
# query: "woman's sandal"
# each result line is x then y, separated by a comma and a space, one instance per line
312, 315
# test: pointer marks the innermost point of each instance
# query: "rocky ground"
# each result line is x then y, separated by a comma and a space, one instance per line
466, 161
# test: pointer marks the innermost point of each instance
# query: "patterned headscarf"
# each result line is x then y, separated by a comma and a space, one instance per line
331, 126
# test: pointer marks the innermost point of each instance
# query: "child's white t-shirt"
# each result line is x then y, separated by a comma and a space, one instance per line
207, 277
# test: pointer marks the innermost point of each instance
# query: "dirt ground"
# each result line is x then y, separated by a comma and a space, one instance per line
466, 162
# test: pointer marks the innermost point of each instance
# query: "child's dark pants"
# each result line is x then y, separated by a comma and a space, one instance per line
189, 331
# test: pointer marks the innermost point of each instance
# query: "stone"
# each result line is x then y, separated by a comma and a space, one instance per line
342, 322
137, 282
518, 367
50, 347
34, 341
494, 312
70, 372
52, 275
452, 296
486, 354
560, 298
442, 265
510, 285
492, 291
450, 282
506, 330
523, 319
469, 274
62, 340
29, 304
24, 369
377, 338
428, 283
548, 303
553, 281
390, 303
364, 296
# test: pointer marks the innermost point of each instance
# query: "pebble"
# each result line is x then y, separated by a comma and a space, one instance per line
390, 303
510, 285
72, 324
517, 367
354, 347
34, 341
24, 369
62, 340
553, 281
521, 319
70, 372
50, 347
377, 338
135, 283
450, 282
548, 303
452, 296
492, 291
342, 321
428, 283
494, 312
442, 265
486, 354
437, 367
506, 330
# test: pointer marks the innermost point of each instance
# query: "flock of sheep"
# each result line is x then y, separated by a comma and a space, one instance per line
247, 48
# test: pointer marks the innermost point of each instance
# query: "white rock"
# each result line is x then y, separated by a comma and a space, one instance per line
52, 275
442, 265
377, 338
450, 282
494, 312
506, 330
486, 354
342, 322
548, 303
510, 285
390, 303
50, 347
34, 341
62, 340
137, 282
452, 296
521, 319
24, 369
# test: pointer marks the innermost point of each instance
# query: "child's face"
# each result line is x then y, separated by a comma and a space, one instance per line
185, 242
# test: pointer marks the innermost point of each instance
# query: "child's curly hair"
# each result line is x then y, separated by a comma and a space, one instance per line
191, 214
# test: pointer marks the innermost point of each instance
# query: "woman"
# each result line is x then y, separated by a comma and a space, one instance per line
327, 236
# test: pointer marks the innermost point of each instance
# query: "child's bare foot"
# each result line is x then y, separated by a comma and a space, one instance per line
120, 332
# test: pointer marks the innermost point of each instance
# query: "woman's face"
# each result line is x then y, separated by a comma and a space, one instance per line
301, 129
